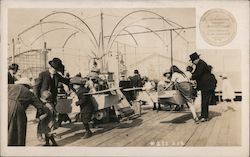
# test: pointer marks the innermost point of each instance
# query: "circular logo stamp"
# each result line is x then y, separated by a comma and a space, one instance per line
218, 27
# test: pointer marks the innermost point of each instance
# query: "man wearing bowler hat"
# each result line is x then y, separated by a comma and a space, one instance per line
49, 79
205, 83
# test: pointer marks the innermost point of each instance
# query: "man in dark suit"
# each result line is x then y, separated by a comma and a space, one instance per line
49, 79
205, 83
135, 81
13, 68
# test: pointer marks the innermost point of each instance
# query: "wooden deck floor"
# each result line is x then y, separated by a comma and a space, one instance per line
155, 129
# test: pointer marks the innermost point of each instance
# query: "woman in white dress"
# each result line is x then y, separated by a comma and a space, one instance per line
227, 90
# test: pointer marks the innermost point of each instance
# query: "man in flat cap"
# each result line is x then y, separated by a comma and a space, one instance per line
85, 103
205, 83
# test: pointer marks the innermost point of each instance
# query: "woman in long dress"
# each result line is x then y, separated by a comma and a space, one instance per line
185, 87
227, 90
19, 98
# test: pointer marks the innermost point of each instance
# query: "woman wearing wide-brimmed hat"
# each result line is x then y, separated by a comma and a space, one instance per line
19, 98
85, 103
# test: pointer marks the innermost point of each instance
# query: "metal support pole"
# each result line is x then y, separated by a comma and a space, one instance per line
125, 59
118, 65
171, 44
44, 53
135, 59
102, 44
13, 51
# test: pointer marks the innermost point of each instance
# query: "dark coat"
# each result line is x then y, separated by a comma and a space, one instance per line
47, 124
11, 79
85, 104
136, 81
19, 98
45, 82
205, 80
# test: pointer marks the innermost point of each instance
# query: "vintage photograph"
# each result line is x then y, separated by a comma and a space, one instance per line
118, 78
121, 78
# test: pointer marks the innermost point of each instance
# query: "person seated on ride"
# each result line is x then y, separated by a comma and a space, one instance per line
95, 69
102, 83
90, 84
149, 87
184, 86
162, 86
94, 72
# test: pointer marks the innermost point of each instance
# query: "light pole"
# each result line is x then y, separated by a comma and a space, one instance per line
13, 51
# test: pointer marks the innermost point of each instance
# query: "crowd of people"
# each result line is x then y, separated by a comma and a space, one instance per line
188, 83
43, 95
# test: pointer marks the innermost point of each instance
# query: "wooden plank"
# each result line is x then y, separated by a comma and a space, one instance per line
131, 134
160, 130
145, 139
215, 113
150, 130
213, 139
112, 133
198, 132
179, 134
223, 134
234, 132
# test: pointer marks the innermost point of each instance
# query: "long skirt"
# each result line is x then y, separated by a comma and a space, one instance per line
17, 127
186, 90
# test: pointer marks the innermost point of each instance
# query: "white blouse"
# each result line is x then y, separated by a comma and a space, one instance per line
179, 77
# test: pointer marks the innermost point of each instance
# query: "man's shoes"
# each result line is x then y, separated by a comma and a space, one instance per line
87, 134
203, 119
55, 144
70, 121
46, 144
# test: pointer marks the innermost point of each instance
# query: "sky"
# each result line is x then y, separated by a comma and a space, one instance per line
20, 19
80, 45
79, 49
